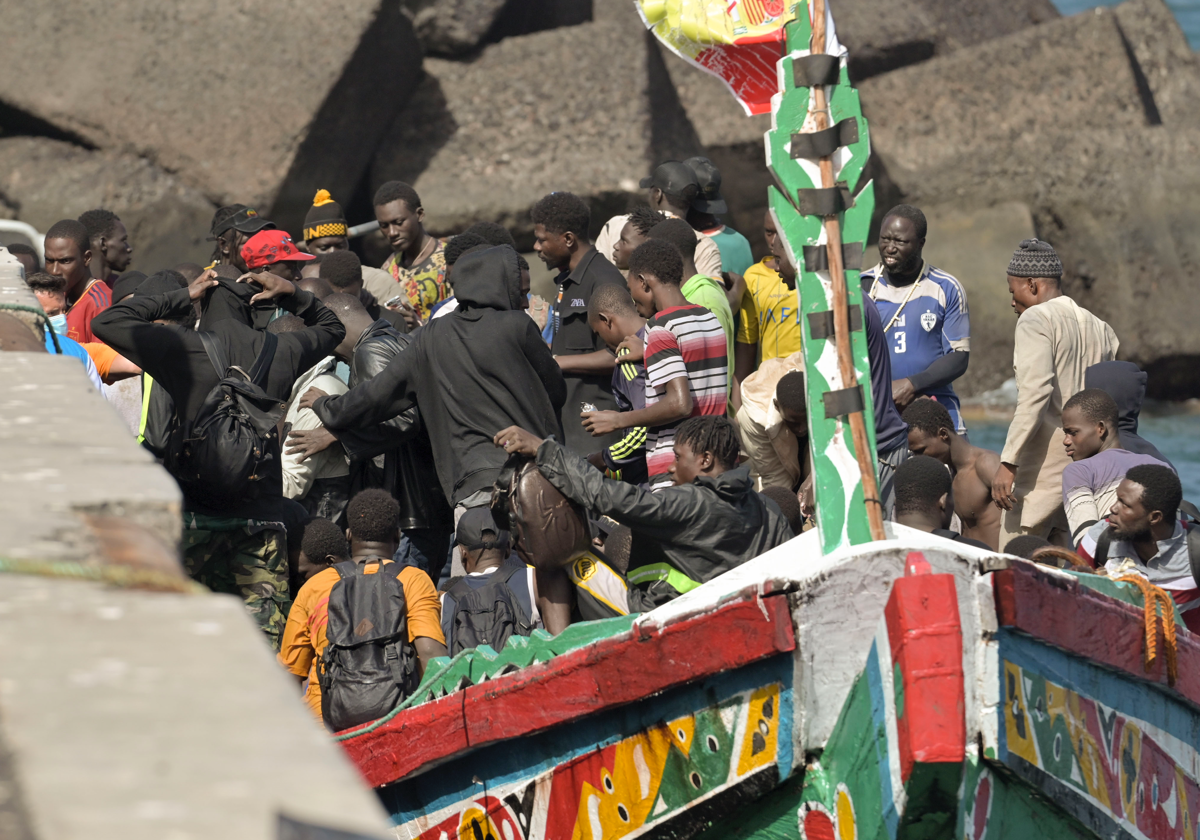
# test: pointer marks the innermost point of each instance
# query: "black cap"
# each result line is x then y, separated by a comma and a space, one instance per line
674, 178
709, 179
472, 525
244, 219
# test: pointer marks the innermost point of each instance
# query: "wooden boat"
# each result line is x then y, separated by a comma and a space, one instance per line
861, 681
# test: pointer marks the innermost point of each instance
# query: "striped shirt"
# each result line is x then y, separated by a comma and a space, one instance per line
95, 299
1090, 486
683, 341
923, 321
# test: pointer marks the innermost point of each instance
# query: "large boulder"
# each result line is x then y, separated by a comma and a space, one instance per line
589, 108
43, 181
249, 102
1086, 121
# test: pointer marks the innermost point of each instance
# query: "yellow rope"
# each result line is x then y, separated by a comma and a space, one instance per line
1155, 598
123, 577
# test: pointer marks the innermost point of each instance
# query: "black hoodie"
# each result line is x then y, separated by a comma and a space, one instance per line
478, 370
1125, 382
174, 356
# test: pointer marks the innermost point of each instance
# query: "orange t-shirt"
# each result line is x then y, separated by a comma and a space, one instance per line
304, 636
103, 357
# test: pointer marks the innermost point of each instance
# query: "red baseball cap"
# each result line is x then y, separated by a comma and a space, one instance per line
271, 246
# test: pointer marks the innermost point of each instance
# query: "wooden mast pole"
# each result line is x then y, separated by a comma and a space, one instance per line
841, 310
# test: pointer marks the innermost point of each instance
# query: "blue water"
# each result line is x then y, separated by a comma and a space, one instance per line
1177, 436
1187, 12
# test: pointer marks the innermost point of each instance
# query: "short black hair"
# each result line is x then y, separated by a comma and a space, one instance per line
322, 538
711, 433
611, 299
1025, 545
660, 258
492, 233
1096, 405
99, 222
373, 516
42, 282
73, 230
679, 233
790, 391
913, 214
930, 416
286, 324
24, 250
920, 482
788, 503
341, 268
644, 218
459, 245
1161, 489
189, 270
560, 212
397, 191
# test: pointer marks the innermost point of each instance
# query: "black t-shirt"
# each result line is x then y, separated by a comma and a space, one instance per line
957, 537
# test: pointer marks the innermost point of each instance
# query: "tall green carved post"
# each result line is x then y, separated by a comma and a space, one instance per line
816, 149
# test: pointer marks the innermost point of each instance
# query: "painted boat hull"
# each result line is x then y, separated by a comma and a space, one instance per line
907, 688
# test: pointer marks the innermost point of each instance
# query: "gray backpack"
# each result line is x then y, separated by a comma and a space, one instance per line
369, 666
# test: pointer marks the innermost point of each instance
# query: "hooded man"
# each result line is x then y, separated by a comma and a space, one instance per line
480, 369
1125, 382
237, 546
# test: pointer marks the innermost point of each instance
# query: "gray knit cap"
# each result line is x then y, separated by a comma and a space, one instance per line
1035, 258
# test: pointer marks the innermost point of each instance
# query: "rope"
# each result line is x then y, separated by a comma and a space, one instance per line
903, 303
40, 313
1074, 562
123, 577
1155, 597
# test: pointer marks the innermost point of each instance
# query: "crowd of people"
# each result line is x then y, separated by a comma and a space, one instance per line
339, 430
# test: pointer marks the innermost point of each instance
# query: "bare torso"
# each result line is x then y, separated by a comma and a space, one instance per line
973, 497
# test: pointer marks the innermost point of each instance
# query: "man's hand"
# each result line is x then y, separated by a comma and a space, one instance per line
600, 423
311, 396
200, 286
273, 285
903, 393
1002, 487
632, 349
808, 504
309, 443
411, 317
515, 439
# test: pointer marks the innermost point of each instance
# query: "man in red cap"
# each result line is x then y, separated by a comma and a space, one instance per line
274, 250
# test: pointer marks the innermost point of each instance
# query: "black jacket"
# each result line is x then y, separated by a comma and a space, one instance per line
1125, 382
478, 370
702, 529
174, 356
395, 454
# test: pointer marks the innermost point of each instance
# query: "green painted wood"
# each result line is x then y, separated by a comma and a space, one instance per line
841, 511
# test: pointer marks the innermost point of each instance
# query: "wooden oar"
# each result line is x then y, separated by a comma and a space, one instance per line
841, 310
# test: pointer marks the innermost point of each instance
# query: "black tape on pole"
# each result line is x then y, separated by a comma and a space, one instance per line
814, 145
843, 402
828, 201
820, 324
813, 70
816, 257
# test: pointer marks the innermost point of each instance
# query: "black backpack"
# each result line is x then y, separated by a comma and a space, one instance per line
1190, 511
369, 666
232, 444
490, 614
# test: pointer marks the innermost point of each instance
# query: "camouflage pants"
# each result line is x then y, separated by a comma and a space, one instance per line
244, 558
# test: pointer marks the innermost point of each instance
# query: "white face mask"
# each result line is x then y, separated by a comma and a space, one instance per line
59, 322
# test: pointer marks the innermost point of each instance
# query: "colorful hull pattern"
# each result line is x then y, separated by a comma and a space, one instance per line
617, 775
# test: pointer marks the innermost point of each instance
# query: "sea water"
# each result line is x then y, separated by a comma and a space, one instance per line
1175, 432
1187, 12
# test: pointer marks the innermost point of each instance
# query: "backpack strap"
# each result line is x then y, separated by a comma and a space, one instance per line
1193, 544
1102, 544
266, 355
345, 569
216, 353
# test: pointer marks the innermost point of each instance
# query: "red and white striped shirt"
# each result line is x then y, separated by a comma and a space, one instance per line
683, 341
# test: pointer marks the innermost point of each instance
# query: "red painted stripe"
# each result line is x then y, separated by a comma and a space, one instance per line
1079, 620
604, 675
925, 632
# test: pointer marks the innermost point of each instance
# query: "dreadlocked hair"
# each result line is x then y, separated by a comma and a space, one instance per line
711, 433
99, 222
644, 219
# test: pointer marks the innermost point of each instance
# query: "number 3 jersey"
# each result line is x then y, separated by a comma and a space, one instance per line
922, 322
